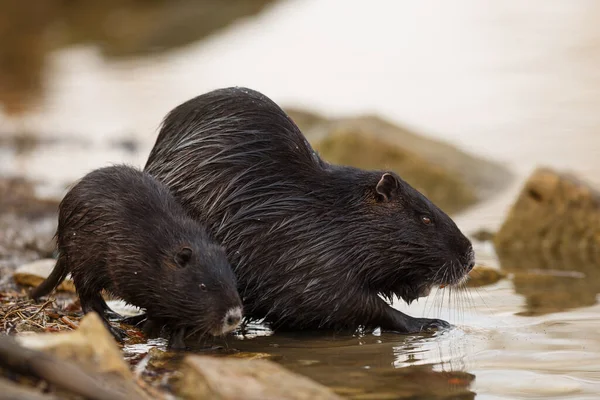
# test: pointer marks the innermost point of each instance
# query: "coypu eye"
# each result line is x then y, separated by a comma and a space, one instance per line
203, 287
426, 220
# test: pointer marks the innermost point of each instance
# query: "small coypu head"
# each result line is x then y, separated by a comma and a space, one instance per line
425, 243
205, 295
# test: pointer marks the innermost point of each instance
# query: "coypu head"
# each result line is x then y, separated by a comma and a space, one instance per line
204, 294
426, 247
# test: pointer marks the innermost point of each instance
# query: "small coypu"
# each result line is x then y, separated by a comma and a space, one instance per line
313, 245
121, 230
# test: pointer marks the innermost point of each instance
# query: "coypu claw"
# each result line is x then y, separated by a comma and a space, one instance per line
431, 325
176, 341
396, 321
119, 334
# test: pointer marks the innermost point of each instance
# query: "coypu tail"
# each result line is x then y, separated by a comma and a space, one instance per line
58, 274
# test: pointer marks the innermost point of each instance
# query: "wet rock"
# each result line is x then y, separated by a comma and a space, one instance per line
347, 391
91, 345
32, 274
552, 231
228, 379
251, 356
12, 391
555, 215
481, 275
376, 396
451, 178
160, 359
65, 378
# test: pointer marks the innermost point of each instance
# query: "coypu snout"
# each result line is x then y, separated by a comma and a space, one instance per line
206, 289
231, 321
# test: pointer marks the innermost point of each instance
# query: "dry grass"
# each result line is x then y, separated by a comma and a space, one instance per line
19, 314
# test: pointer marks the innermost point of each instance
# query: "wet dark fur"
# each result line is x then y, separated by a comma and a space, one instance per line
312, 244
121, 230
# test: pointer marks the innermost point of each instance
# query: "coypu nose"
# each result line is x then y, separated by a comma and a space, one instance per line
232, 319
470, 266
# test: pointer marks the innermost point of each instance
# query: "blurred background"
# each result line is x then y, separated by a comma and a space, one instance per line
513, 82
464, 98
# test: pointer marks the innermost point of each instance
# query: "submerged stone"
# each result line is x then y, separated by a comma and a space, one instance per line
204, 377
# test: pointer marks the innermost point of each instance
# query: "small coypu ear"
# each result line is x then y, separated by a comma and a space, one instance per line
387, 186
183, 256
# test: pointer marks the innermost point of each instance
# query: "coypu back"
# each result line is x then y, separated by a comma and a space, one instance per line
245, 128
312, 244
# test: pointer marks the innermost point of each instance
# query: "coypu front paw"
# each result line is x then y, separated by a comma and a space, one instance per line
396, 321
177, 340
430, 325
119, 334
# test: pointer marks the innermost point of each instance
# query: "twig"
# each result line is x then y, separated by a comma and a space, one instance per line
41, 308
70, 323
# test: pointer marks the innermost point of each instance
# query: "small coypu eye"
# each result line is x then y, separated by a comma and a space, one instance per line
426, 220
203, 287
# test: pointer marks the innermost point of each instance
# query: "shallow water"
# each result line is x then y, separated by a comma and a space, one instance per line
491, 351
514, 81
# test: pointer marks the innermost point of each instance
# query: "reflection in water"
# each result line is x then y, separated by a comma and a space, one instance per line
378, 365
118, 28
369, 366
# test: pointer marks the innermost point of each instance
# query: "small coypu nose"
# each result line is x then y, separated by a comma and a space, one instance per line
470, 266
232, 320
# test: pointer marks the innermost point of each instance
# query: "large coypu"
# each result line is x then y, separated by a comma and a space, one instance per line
313, 245
121, 230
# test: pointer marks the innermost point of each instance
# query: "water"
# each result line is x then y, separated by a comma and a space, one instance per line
513, 81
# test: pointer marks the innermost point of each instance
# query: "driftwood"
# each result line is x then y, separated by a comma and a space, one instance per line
62, 374
12, 391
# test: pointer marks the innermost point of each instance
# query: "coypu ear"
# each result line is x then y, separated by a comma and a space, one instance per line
386, 187
183, 256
